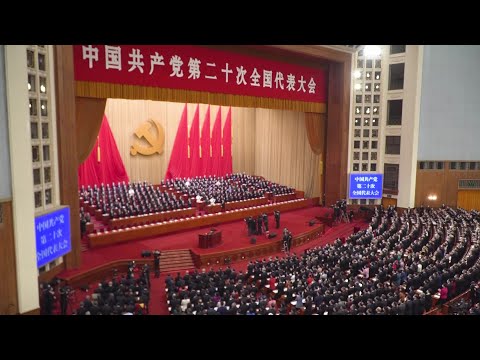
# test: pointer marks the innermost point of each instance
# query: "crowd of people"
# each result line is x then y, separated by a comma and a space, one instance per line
257, 225
121, 199
138, 198
470, 305
399, 265
229, 188
123, 295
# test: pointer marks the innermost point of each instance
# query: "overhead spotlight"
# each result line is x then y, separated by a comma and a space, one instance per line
29, 86
357, 74
42, 88
358, 86
372, 51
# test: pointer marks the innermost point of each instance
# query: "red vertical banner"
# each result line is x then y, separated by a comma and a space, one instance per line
194, 145
205, 145
104, 164
178, 165
227, 144
217, 144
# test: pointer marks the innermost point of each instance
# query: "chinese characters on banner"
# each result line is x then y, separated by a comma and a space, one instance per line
52, 232
200, 69
366, 186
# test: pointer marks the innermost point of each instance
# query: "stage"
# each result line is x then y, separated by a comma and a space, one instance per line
234, 236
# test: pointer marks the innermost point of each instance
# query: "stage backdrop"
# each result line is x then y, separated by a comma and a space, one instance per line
270, 143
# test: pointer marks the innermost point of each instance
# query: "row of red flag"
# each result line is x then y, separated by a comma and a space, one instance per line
198, 154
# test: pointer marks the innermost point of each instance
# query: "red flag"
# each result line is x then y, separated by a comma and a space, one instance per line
205, 145
178, 165
106, 167
227, 144
194, 143
217, 144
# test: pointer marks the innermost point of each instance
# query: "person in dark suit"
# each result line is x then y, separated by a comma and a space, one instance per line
276, 214
83, 225
289, 241
259, 225
156, 263
265, 221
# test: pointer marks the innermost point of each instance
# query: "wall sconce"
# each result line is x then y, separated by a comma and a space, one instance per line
432, 197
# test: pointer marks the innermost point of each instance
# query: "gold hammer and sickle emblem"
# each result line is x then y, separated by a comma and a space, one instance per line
156, 142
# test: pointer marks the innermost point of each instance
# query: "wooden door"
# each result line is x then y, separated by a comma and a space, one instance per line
386, 202
468, 199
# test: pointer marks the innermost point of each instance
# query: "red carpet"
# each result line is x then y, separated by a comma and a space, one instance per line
234, 236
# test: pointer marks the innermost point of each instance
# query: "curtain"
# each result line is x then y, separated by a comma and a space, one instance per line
205, 143
104, 164
178, 165
89, 116
194, 145
227, 144
282, 153
243, 140
259, 136
315, 126
134, 92
216, 140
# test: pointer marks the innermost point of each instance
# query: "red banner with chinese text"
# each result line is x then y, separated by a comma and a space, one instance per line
198, 68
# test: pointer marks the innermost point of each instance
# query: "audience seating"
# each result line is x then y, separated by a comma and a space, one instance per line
400, 265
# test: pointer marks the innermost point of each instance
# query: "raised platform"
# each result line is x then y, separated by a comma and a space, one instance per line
105, 271
254, 251
160, 228
151, 218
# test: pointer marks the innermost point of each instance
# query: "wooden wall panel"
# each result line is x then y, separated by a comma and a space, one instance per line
469, 199
8, 283
443, 183
67, 145
386, 202
337, 131
431, 182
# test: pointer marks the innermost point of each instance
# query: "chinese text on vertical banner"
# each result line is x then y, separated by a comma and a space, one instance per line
366, 186
52, 232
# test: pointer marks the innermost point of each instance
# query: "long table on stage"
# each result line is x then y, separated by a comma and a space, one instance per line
166, 227
245, 203
210, 239
286, 197
159, 216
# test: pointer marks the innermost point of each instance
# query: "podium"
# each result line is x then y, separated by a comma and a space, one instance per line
209, 239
